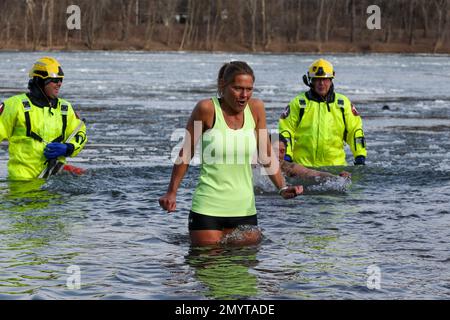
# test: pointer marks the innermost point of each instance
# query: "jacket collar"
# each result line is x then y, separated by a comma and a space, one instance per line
330, 97
39, 98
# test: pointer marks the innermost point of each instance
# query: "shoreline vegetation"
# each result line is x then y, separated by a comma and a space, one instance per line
248, 26
307, 47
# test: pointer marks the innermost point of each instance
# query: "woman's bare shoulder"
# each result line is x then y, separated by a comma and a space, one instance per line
257, 109
204, 112
203, 108
256, 104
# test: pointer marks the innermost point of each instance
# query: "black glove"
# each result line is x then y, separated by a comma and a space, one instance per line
360, 161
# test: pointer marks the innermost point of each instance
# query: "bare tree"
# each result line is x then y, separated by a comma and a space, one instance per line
7, 21
330, 12
166, 9
387, 6
265, 38
442, 23
204, 24
353, 21
151, 21
319, 19
220, 18
93, 17
411, 21
272, 24
44, 18
136, 12
425, 17
298, 24
189, 25
125, 17
242, 20
30, 17
51, 15
252, 6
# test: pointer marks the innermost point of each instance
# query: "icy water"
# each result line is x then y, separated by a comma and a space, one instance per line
394, 218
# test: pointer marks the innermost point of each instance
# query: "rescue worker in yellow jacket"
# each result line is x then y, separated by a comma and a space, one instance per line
38, 124
316, 123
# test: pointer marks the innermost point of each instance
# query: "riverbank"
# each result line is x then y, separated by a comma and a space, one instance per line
424, 46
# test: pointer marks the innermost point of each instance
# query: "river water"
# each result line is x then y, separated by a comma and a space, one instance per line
383, 237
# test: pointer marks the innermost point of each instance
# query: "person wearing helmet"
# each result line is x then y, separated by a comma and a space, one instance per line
318, 122
41, 128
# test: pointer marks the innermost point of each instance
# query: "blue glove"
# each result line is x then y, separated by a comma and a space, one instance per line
55, 149
360, 161
287, 158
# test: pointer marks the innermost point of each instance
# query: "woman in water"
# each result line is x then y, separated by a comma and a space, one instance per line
232, 128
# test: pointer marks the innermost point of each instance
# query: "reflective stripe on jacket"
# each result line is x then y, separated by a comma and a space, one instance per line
26, 153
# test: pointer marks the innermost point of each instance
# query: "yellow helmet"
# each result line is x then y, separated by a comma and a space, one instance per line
321, 69
46, 67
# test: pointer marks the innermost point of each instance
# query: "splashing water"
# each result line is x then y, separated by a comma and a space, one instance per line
241, 234
328, 185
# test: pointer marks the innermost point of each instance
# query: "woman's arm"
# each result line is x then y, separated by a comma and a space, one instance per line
200, 120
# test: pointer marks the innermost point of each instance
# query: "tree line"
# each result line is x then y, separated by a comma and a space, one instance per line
247, 25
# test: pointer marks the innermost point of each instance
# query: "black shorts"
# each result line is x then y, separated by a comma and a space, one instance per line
203, 222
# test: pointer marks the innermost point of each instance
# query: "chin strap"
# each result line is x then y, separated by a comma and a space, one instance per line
306, 81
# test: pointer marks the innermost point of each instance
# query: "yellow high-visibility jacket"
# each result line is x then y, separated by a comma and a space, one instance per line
316, 130
28, 138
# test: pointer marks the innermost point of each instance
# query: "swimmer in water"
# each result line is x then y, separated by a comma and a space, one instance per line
291, 169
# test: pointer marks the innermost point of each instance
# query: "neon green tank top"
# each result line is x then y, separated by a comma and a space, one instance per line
225, 187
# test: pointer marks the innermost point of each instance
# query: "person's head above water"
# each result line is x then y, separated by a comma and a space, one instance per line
235, 85
47, 74
279, 144
230, 70
320, 77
